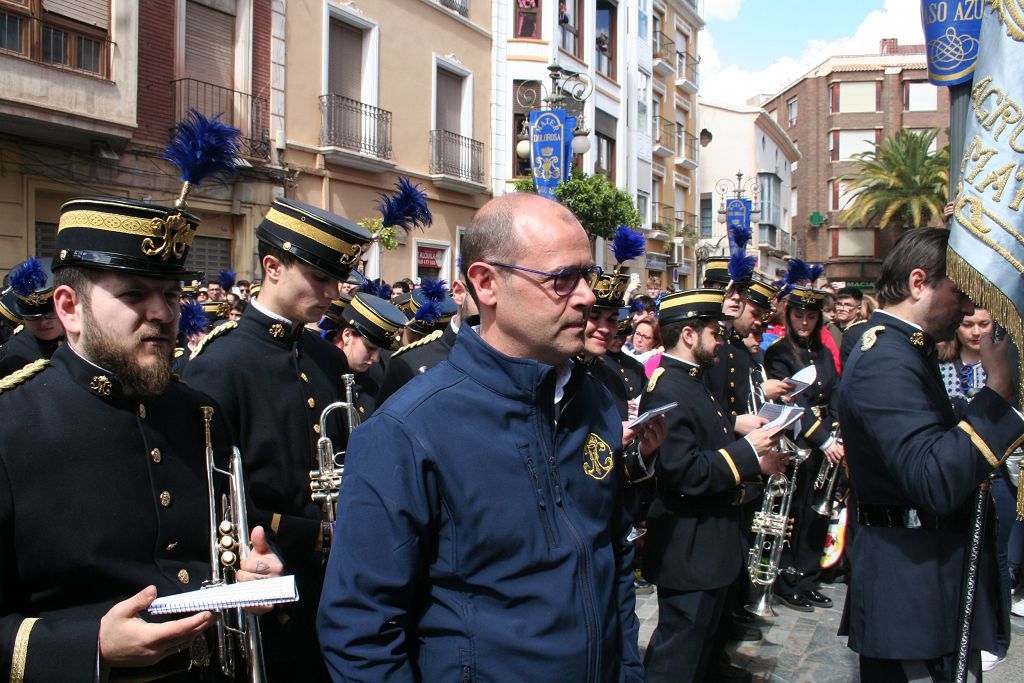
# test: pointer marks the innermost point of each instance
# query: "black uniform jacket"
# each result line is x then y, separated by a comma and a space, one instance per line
608, 375
851, 339
818, 400
23, 348
415, 359
273, 382
101, 495
693, 539
729, 379
631, 370
907, 450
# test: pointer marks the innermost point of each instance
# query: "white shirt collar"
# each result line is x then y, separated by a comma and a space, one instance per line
267, 312
891, 315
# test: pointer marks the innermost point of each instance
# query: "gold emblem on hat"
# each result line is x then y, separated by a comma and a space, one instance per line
917, 339
171, 236
277, 331
101, 385
597, 457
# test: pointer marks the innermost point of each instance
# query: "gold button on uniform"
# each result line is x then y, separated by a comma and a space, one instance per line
311, 403
316, 428
165, 498
183, 576
142, 411
155, 455
304, 376
361, 409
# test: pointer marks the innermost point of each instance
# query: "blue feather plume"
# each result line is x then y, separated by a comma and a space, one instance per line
816, 271
193, 320
227, 279
741, 266
433, 290
635, 307
740, 236
627, 244
406, 208
28, 276
798, 272
429, 312
202, 147
385, 291
375, 288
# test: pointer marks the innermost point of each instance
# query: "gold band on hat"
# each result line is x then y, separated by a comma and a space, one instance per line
368, 312
693, 299
111, 222
350, 253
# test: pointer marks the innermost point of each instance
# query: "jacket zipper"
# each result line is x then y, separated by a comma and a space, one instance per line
589, 606
548, 531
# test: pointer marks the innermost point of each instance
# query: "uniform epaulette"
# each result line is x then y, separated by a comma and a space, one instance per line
870, 336
653, 381
862, 321
17, 329
436, 334
26, 373
178, 352
214, 333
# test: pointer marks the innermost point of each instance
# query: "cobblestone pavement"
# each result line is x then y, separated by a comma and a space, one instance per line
802, 647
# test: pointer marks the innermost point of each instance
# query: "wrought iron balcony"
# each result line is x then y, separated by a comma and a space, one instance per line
686, 148
354, 126
687, 226
663, 134
460, 6
664, 52
456, 156
663, 217
245, 112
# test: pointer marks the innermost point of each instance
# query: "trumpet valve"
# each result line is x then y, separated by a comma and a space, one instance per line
228, 542
228, 558
226, 528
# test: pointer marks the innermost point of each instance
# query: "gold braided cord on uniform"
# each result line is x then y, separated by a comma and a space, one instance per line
991, 298
732, 465
20, 656
26, 373
436, 334
214, 333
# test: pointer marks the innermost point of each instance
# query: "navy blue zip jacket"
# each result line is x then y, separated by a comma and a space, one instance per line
481, 532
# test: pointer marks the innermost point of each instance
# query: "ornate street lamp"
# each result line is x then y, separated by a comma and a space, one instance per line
733, 196
565, 85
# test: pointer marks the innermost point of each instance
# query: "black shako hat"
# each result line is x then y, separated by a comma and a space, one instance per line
377, 320
716, 270
320, 238
126, 236
806, 298
692, 304
762, 293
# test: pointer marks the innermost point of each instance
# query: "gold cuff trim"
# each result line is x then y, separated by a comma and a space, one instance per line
1014, 446
979, 443
373, 315
275, 522
20, 656
732, 465
812, 428
112, 222
350, 253
695, 299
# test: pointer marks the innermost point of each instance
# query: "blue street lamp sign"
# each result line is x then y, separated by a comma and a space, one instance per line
737, 213
547, 149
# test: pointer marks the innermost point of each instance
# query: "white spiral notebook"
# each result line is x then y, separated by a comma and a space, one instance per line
244, 594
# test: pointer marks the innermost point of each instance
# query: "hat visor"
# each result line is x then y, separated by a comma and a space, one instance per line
102, 260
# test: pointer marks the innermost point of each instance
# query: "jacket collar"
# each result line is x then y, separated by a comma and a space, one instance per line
689, 369
913, 334
98, 381
516, 378
273, 328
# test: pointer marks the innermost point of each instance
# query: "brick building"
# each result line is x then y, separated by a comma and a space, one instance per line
89, 93
843, 106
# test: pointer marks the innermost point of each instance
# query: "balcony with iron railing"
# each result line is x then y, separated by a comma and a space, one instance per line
662, 220
663, 134
686, 71
355, 134
664, 53
247, 113
460, 6
456, 162
686, 145
687, 227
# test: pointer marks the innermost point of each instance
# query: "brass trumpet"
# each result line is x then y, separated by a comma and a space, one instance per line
238, 633
325, 480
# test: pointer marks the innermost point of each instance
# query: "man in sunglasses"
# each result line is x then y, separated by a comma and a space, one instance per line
30, 299
481, 531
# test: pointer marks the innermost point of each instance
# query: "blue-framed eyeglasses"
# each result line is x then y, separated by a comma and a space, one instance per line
564, 280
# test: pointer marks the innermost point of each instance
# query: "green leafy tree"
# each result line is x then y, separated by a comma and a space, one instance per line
598, 205
901, 183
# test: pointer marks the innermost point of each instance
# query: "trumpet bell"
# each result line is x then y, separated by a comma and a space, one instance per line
762, 607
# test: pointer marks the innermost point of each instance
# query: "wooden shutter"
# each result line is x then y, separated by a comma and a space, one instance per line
209, 45
449, 101
92, 12
345, 66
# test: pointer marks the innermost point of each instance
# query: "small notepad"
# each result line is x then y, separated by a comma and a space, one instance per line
243, 594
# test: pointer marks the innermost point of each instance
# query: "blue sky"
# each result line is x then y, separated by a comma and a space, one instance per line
754, 46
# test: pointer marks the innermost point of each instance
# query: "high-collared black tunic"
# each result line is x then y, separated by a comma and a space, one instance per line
23, 348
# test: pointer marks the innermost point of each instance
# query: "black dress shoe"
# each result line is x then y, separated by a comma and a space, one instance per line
727, 674
817, 598
795, 601
744, 633
742, 616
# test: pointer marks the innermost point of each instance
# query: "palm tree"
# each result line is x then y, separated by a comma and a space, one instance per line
900, 182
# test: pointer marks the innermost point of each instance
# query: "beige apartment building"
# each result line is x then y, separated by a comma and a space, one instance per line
376, 90
844, 106
89, 94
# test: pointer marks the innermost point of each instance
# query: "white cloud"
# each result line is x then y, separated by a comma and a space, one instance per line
731, 84
724, 10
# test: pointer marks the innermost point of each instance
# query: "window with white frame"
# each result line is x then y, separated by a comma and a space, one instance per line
570, 26
920, 96
855, 243
641, 21
791, 111
431, 259
770, 194
840, 193
843, 145
643, 114
854, 97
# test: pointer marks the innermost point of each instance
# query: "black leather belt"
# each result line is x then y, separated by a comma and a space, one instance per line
900, 517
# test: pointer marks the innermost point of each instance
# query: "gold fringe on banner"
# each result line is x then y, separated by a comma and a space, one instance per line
986, 295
